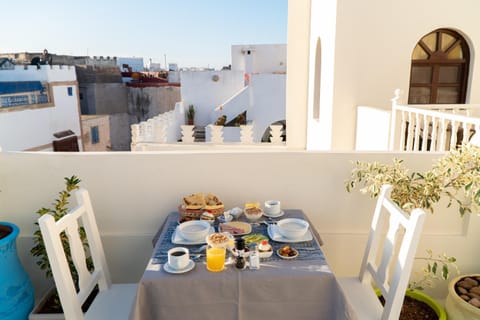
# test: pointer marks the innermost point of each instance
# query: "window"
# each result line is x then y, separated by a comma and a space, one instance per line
439, 71
95, 134
70, 91
23, 93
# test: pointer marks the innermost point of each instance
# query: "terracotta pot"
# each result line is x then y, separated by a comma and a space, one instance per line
457, 308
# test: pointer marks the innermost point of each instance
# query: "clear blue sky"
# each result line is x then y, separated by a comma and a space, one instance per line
192, 33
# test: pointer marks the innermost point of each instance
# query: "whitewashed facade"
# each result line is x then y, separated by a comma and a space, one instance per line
32, 127
359, 52
256, 84
135, 63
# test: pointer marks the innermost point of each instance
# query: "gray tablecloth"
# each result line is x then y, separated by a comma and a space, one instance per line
280, 289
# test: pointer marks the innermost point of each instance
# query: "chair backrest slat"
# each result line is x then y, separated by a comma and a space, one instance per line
52, 231
392, 283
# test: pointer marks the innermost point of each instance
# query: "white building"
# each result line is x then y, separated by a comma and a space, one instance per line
136, 64
36, 103
359, 52
255, 84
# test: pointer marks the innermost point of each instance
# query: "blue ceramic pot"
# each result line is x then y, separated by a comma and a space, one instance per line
16, 290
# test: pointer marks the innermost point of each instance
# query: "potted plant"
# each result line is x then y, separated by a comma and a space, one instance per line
49, 306
455, 176
191, 115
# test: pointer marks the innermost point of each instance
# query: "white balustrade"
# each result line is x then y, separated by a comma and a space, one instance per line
246, 134
188, 134
216, 134
436, 127
135, 130
276, 134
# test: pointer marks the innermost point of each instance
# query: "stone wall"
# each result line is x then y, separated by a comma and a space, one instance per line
162, 99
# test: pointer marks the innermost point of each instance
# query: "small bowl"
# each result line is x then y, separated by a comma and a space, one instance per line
287, 257
195, 230
253, 214
236, 212
292, 228
220, 240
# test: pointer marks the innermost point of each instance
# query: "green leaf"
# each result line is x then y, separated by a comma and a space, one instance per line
434, 267
445, 272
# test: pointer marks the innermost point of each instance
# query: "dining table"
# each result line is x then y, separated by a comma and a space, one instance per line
301, 288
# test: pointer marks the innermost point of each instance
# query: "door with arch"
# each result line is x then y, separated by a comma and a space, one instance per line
439, 70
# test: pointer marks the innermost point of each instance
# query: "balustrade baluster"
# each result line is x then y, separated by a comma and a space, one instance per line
433, 143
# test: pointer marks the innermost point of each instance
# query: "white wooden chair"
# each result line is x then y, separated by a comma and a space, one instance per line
112, 301
390, 279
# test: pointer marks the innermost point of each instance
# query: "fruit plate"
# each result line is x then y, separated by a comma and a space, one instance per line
287, 257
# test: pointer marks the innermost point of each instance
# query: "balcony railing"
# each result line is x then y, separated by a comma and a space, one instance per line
168, 130
437, 127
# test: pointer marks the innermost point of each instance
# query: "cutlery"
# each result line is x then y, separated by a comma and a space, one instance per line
307, 249
199, 249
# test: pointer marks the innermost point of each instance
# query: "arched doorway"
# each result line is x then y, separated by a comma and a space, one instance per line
439, 70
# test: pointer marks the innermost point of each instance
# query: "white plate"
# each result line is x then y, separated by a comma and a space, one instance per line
169, 269
281, 213
177, 238
238, 224
276, 236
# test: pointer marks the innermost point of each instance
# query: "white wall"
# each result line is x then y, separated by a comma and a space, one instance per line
372, 43
135, 63
268, 102
199, 89
266, 58
373, 129
131, 204
24, 129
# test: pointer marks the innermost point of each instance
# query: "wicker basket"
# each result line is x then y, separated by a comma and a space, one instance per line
196, 213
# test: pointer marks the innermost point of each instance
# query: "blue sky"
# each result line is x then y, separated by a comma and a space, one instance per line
192, 33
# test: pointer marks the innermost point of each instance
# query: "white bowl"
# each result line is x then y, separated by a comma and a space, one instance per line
253, 216
292, 228
194, 230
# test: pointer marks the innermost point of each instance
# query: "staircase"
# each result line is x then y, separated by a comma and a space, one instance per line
199, 133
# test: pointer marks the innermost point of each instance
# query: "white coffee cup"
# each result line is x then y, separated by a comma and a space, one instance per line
178, 257
272, 207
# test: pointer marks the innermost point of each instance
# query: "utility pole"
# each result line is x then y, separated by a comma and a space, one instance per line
165, 55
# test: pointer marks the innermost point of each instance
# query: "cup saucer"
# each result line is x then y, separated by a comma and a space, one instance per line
274, 215
168, 268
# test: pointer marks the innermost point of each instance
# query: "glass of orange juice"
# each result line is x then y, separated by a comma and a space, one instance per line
215, 258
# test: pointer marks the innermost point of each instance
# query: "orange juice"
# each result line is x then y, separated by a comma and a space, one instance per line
215, 259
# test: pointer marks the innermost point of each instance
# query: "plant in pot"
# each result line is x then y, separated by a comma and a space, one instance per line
455, 176
16, 290
191, 115
50, 307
